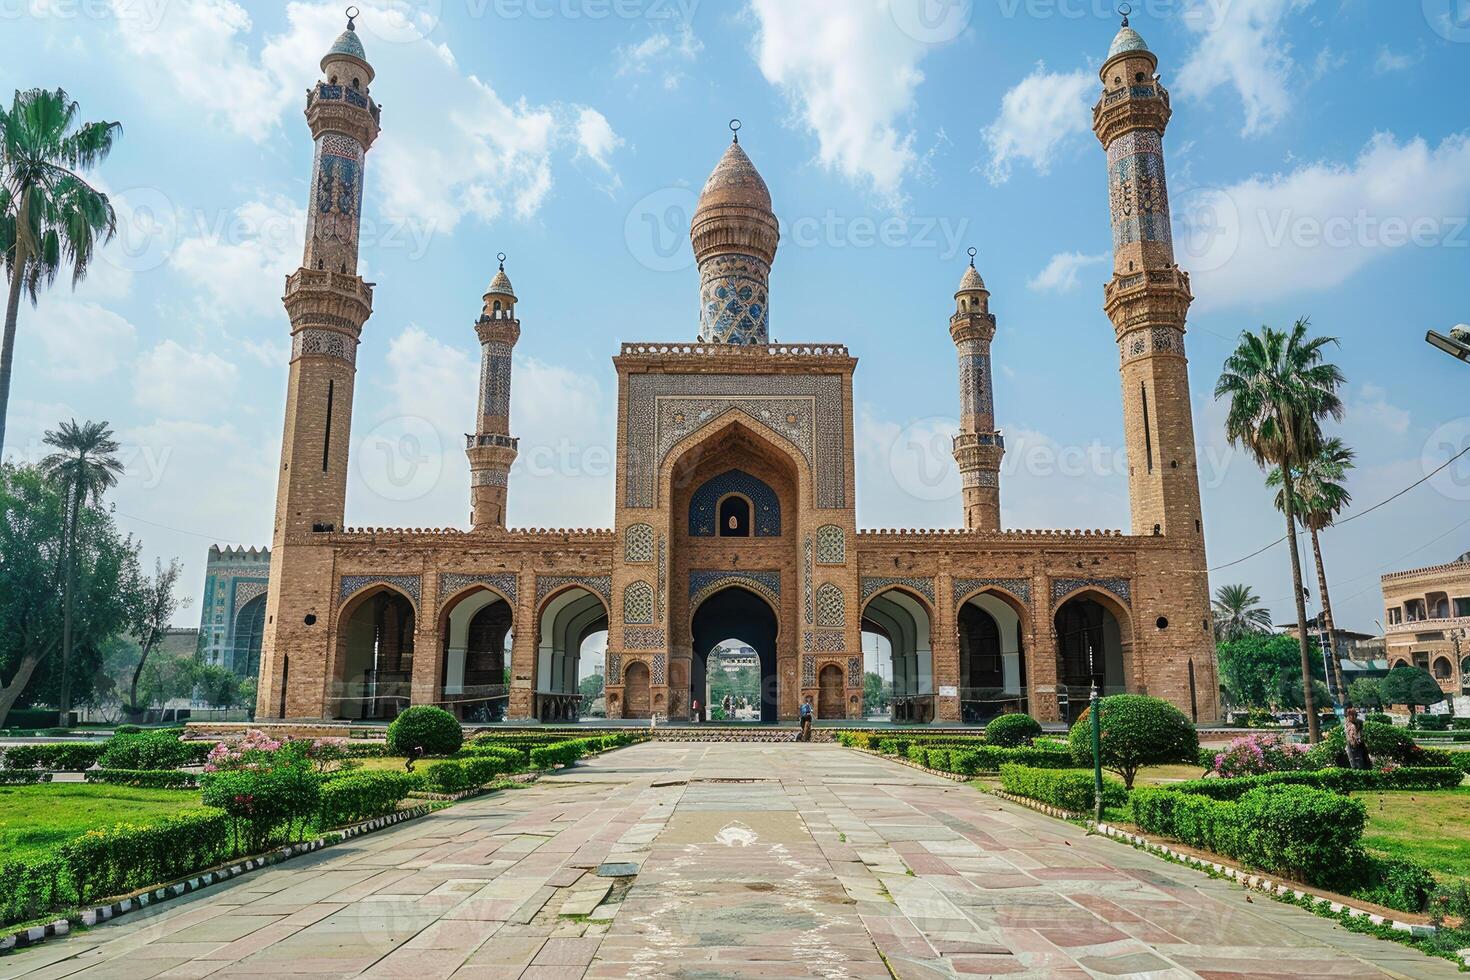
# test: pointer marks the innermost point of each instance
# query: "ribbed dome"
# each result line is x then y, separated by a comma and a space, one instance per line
500, 285
735, 181
1127, 39
970, 280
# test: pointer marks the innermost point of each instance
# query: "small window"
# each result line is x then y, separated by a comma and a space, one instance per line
734, 514
1462, 606
1443, 669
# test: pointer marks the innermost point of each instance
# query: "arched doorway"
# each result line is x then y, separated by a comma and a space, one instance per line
734, 613
570, 621
1092, 645
902, 622
477, 639
992, 658
829, 693
249, 629
374, 656
635, 690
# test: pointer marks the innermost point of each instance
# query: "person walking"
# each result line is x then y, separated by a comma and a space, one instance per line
1357, 749
806, 720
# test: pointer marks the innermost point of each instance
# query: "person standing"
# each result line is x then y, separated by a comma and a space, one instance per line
1357, 749
806, 720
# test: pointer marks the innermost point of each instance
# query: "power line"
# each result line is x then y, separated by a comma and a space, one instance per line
176, 530
1354, 516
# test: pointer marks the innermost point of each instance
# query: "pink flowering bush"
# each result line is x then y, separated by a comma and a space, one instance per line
258, 750
1251, 755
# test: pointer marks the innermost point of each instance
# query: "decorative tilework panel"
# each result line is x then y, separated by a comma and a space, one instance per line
614, 668
547, 584
808, 671
337, 197
663, 575
704, 503
327, 343
1019, 587
410, 584
830, 606
976, 398
854, 671
495, 379
643, 638
490, 478
979, 478
824, 641
660, 665
245, 591
638, 543
831, 545
1119, 587
503, 582
806, 579
638, 604
706, 582
804, 410
1151, 340
923, 586
732, 300
1137, 193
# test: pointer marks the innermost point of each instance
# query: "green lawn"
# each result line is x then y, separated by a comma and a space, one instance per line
34, 819
1430, 828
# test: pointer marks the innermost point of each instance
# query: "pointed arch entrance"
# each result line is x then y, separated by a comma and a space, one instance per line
569, 624
992, 631
735, 613
903, 624
1094, 643
374, 656
473, 674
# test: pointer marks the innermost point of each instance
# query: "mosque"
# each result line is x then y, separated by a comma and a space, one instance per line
735, 496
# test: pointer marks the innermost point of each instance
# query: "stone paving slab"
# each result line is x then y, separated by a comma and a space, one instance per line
751, 860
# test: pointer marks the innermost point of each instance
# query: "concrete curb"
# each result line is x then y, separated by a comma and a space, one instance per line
96, 914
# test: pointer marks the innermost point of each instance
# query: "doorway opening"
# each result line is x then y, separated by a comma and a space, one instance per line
739, 619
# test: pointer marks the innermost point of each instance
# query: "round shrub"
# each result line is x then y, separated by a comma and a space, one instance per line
1009, 731
1385, 743
1137, 731
424, 726
1378, 717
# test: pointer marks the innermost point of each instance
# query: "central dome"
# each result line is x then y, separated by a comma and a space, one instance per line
735, 181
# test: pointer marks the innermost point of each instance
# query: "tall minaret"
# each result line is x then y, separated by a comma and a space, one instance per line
1149, 295
978, 447
491, 449
327, 302
326, 299
734, 233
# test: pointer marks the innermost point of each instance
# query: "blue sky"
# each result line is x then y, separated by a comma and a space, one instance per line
1318, 165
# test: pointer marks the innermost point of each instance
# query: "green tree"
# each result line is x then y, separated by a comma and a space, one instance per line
1280, 388
1413, 686
33, 535
872, 693
1366, 692
163, 679
152, 610
1264, 670
1137, 731
218, 686
1238, 612
1321, 496
50, 216
85, 466
591, 689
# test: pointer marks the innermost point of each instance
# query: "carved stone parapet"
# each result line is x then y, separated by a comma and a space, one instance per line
498, 331
316, 298
340, 116
1159, 296
1131, 107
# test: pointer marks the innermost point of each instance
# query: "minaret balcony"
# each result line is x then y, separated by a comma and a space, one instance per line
322, 291
1151, 294
491, 439
965, 441
1129, 107
342, 109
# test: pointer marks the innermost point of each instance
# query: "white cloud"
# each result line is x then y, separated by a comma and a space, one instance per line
1060, 274
182, 384
240, 259
1391, 61
1036, 118
850, 74
1314, 227
84, 341
664, 52
1242, 44
1370, 403
595, 137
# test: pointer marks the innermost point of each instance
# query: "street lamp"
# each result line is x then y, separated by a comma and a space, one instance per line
1457, 344
1095, 714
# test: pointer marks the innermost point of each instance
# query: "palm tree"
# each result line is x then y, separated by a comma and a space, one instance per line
84, 467
49, 215
1238, 611
1320, 497
1280, 388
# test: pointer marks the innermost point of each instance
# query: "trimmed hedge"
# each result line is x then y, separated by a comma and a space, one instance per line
457, 775
1070, 789
23, 777
357, 796
560, 754
1334, 780
423, 725
157, 749
56, 756
31, 888
152, 778
514, 757
1010, 731
1305, 833
990, 758
267, 806
113, 861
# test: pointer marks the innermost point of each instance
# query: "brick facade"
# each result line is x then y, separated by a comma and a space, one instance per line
735, 475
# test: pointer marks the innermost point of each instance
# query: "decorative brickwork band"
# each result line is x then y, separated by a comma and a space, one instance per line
408, 584
965, 587
503, 582
873, 585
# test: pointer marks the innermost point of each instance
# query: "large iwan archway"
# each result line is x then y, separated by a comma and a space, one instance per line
569, 620
473, 676
736, 613
375, 635
902, 621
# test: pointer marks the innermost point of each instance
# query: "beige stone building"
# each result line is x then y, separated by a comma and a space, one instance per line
1426, 622
735, 495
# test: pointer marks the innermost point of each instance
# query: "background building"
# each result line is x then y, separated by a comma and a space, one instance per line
1426, 622
232, 613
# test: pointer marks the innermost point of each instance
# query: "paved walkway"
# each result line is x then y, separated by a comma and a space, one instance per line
753, 860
